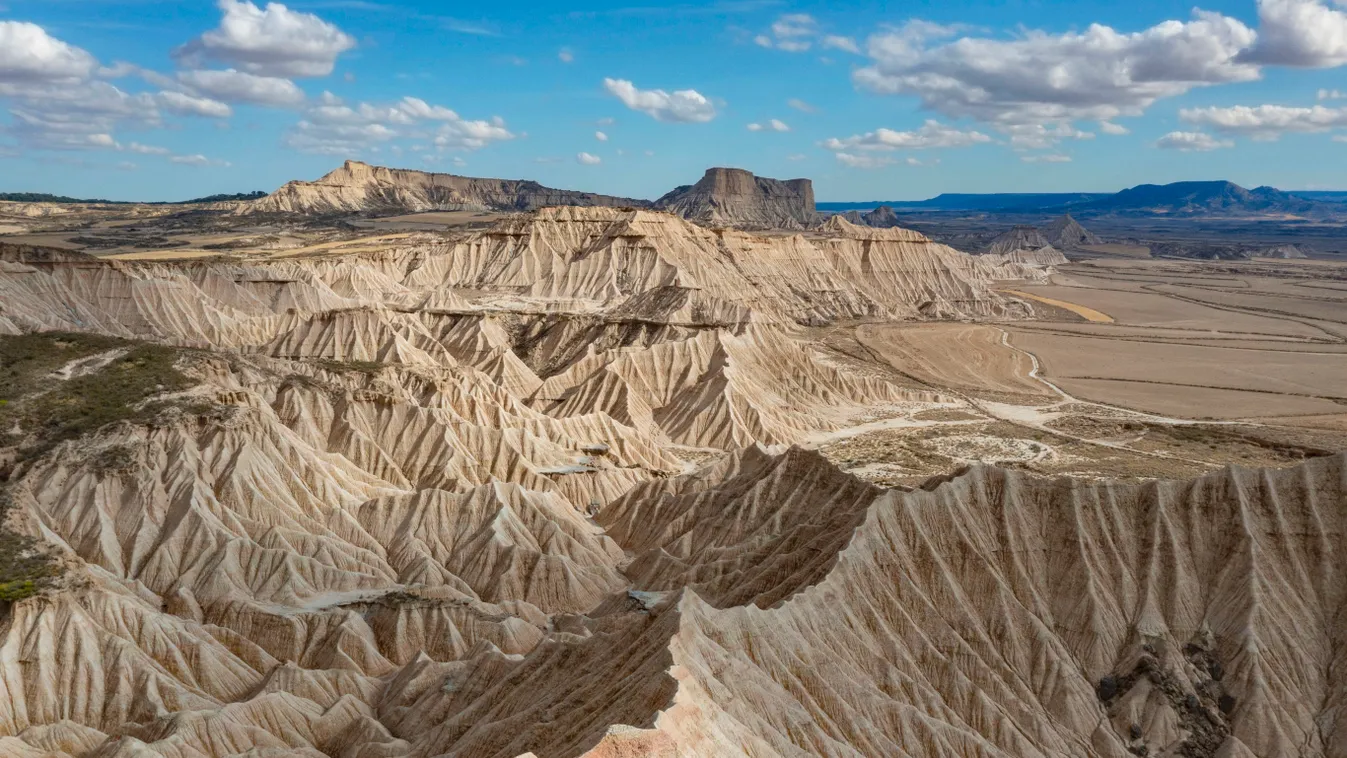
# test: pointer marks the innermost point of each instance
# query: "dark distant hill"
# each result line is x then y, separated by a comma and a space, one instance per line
955, 201
43, 197
1323, 196
1202, 199
1180, 199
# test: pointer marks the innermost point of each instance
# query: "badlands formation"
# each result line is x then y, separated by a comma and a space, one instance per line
360, 187
725, 197
564, 487
736, 198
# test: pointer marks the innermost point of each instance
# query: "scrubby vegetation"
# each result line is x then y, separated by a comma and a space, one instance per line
38, 409
25, 568
342, 367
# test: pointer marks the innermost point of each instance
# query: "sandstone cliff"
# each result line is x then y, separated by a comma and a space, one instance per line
359, 187
731, 197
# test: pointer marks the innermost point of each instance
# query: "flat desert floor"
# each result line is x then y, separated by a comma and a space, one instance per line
1135, 367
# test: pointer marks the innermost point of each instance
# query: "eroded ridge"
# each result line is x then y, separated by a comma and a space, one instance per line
537, 490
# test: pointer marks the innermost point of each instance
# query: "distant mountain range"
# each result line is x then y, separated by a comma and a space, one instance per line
1180, 199
43, 197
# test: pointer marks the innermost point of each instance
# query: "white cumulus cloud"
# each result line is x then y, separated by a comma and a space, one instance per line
681, 106
234, 86
864, 161
587, 159
187, 105
1304, 33
270, 41
1190, 142
600, 136
932, 134
1266, 122
331, 127
29, 54
1045, 79
774, 125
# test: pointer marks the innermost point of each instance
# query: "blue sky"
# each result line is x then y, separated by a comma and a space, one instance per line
140, 99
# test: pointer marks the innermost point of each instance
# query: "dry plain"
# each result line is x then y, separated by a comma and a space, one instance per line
1202, 364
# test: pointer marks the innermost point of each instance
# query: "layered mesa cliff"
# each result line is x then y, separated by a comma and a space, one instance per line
438, 501
359, 187
732, 197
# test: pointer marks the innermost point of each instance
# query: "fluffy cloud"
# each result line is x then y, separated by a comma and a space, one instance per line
1331, 94
682, 106
75, 116
330, 127
1048, 158
793, 32
271, 41
29, 54
187, 105
1041, 78
600, 136
1041, 136
1266, 122
588, 160
1190, 142
932, 134
1305, 33
241, 87
775, 125
799, 32
136, 147
838, 42
864, 161
196, 160
1108, 127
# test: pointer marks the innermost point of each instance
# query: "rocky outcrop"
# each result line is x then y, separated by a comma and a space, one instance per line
1018, 238
882, 217
1042, 257
1282, 251
731, 197
1067, 234
361, 188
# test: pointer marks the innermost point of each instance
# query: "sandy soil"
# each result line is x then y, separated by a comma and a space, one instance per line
1131, 251
1158, 310
1260, 344
963, 356
1281, 371
1089, 314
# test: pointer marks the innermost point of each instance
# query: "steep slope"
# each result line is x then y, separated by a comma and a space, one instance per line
1018, 238
882, 217
431, 502
359, 187
1042, 257
1066, 233
736, 198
